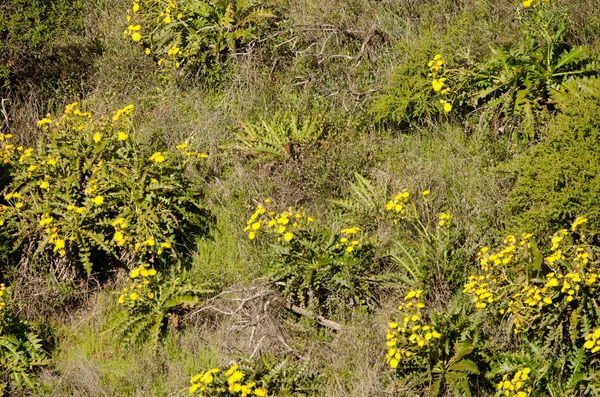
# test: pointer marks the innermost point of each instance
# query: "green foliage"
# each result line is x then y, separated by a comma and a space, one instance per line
87, 193
197, 35
317, 269
407, 97
288, 377
20, 350
520, 79
148, 302
281, 137
558, 179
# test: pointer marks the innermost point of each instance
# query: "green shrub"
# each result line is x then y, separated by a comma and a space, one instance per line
408, 96
280, 137
88, 195
559, 178
197, 35
317, 269
148, 301
20, 350
519, 80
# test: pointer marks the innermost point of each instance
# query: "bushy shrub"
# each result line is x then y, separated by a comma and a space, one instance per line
195, 35
88, 192
408, 96
559, 178
314, 268
534, 315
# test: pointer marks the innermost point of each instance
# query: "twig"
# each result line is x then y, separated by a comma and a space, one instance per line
4, 113
318, 318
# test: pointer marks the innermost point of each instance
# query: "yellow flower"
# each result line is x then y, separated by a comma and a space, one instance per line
438, 84
136, 36
44, 122
136, 7
44, 185
121, 136
133, 296
97, 137
59, 244
447, 107
157, 157
579, 221
251, 235
288, 236
260, 392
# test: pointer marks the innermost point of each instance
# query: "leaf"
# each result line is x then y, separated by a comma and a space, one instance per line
466, 366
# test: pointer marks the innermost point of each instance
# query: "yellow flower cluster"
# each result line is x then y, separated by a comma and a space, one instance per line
158, 157
406, 336
444, 219
348, 240
126, 111
531, 3
571, 274
477, 287
167, 15
398, 204
2, 297
517, 386
190, 153
284, 224
438, 81
134, 32
6, 148
210, 384
592, 341
139, 289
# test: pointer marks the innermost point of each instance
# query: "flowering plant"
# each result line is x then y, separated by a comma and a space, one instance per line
88, 192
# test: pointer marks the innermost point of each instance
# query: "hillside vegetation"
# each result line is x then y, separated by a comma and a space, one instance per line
299, 198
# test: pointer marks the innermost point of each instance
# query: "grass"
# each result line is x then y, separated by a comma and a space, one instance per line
340, 57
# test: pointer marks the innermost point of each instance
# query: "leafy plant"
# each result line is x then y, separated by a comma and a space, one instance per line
20, 350
87, 190
441, 355
280, 137
148, 301
195, 35
287, 376
317, 269
519, 80
407, 97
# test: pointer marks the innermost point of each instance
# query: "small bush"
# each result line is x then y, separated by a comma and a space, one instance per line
147, 301
316, 269
407, 97
196, 35
87, 195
